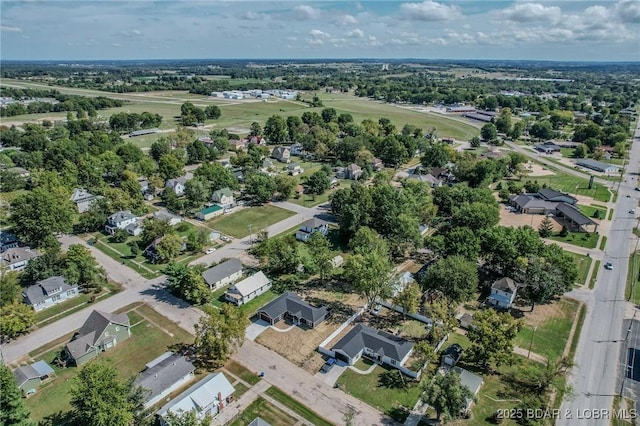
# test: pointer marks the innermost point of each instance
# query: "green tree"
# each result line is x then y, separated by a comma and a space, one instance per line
435, 155
409, 299
455, 276
475, 142
119, 236
366, 240
279, 255
275, 130
134, 248
320, 250
542, 130
517, 129
169, 247
219, 334
40, 214
370, 275
10, 289
477, 215
82, 268
170, 166
197, 191
285, 185
212, 112
186, 418
12, 409
255, 129
260, 187
541, 281
546, 228
503, 121
187, 283
318, 183
489, 132
446, 394
196, 240
100, 398
462, 241
17, 318
491, 337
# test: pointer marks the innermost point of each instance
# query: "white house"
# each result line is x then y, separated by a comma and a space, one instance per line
120, 220
295, 169
224, 198
169, 218
296, 149
48, 292
309, 227
503, 293
281, 153
17, 258
178, 184
164, 375
223, 274
248, 289
207, 397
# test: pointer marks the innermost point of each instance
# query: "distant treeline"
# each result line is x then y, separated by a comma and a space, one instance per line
76, 103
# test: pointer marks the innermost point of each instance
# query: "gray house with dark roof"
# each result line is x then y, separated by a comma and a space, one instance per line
48, 292
100, 332
17, 258
223, 274
291, 306
120, 220
377, 345
164, 375
8, 240
551, 194
84, 199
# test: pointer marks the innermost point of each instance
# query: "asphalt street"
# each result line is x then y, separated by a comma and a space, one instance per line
597, 358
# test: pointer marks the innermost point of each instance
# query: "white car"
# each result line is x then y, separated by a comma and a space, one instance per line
210, 250
225, 239
632, 211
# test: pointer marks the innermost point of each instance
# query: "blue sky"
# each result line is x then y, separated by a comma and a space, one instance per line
605, 30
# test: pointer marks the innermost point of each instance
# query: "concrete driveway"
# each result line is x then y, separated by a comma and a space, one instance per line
255, 329
333, 375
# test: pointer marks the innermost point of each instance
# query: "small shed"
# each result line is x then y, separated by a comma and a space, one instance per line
29, 377
210, 212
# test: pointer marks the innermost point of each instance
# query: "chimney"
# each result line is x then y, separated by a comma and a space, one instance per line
220, 396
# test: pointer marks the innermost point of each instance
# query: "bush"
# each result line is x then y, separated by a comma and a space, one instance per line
182, 227
564, 231
120, 236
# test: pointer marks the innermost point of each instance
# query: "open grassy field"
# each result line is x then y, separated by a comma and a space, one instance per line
237, 223
583, 263
551, 334
381, 389
265, 410
147, 342
574, 185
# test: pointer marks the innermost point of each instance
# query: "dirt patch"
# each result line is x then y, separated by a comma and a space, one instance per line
238, 130
541, 314
512, 219
298, 345
534, 169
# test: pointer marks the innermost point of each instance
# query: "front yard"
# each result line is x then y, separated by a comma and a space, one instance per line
249, 220
383, 389
552, 325
148, 340
581, 239
583, 263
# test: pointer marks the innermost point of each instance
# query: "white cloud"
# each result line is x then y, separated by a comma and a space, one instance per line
357, 33
317, 34
430, 11
10, 29
529, 12
116, 44
250, 15
345, 20
305, 12
628, 11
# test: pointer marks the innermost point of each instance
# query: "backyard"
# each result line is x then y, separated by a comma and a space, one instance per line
241, 223
148, 340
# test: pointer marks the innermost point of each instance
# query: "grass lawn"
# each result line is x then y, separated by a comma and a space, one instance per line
550, 337
241, 372
603, 242
594, 275
580, 239
458, 338
573, 185
297, 407
260, 217
371, 389
251, 307
583, 263
590, 211
129, 357
633, 290
268, 412
412, 328
307, 200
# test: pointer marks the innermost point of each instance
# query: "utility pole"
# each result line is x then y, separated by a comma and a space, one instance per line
250, 227
531, 342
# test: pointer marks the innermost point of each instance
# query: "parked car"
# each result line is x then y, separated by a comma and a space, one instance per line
210, 250
328, 365
608, 266
632, 211
376, 309
637, 188
225, 239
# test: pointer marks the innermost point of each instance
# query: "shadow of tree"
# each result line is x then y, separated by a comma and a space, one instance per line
60, 418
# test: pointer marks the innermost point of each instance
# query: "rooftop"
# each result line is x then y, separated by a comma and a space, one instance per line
382, 343
201, 395
251, 284
292, 303
223, 270
164, 374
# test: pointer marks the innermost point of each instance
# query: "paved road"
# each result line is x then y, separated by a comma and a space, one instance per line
330, 403
598, 352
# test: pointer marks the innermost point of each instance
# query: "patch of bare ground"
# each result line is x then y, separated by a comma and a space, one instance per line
298, 344
540, 314
512, 219
534, 169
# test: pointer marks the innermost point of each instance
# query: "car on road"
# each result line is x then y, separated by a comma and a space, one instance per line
376, 309
210, 250
608, 266
328, 365
225, 239
632, 211
637, 188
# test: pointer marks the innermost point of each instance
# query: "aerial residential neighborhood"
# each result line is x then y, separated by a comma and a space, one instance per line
307, 241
